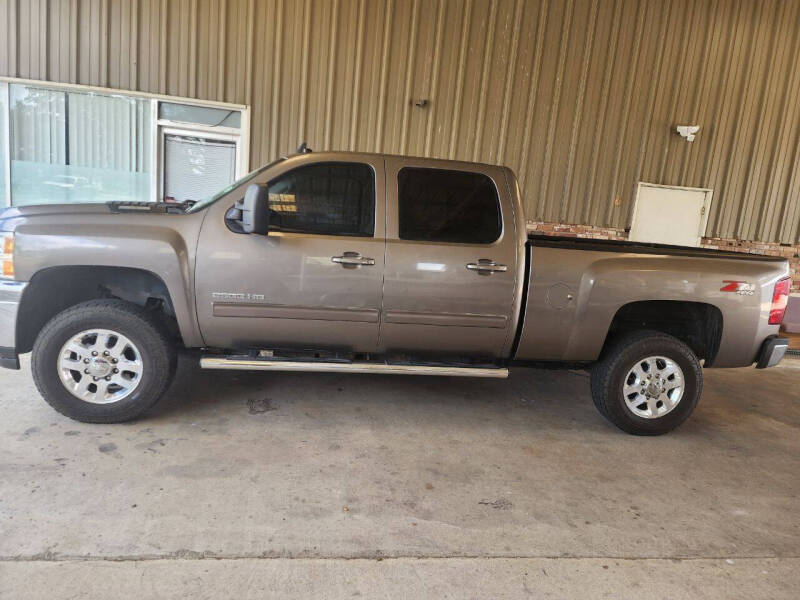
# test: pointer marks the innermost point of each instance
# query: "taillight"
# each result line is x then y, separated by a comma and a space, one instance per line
780, 298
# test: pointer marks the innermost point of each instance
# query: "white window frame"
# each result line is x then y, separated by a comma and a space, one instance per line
206, 133
157, 127
6, 141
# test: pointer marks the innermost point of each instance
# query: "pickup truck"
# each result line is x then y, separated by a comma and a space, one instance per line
366, 263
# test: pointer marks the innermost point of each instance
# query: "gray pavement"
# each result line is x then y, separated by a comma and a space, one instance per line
291, 485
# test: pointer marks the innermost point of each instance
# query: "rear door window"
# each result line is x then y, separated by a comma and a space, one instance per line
438, 205
324, 198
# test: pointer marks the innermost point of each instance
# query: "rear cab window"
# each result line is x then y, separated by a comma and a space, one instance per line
324, 199
440, 205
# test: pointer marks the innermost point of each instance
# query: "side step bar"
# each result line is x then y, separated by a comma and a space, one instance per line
254, 364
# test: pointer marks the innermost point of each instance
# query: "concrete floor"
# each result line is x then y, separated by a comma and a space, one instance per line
290, 485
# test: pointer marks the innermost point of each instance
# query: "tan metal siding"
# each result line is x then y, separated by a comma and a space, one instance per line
580, 97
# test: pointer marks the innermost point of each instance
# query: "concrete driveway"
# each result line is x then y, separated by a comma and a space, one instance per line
295, 485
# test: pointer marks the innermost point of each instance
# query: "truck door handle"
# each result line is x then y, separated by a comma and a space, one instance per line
486, 266
352, 259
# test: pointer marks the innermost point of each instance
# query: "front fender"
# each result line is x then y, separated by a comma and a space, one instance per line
160, 244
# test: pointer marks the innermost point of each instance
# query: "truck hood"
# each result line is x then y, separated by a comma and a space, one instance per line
54, 209
10, 218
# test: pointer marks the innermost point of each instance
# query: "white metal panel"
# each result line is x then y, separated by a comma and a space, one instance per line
665, 214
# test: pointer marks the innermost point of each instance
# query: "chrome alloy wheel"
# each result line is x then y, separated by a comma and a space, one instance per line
653, 387
100, 366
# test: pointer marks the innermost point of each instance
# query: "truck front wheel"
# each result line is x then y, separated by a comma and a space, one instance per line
647, 383
103, 361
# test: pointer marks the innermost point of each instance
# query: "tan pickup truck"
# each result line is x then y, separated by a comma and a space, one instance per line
367, 263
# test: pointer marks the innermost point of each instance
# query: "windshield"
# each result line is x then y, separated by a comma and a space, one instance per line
201, 204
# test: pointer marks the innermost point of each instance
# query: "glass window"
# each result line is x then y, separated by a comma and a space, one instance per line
437, 205
209, 200
202, 115
77, 147
325, 198
193, 166
3, 107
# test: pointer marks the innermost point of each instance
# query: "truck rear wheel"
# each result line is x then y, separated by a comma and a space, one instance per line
647, 383
103, 361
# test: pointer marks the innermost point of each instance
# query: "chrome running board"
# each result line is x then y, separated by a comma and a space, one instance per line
255, 364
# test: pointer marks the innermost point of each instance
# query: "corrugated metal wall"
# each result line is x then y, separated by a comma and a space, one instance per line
580, 97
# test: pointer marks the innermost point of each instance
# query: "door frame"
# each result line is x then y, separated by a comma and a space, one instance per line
323, 321
462, 324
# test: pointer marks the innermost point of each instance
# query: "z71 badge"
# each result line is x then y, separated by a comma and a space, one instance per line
738, 287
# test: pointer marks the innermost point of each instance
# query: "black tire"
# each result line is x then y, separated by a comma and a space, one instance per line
145, 330
609, 373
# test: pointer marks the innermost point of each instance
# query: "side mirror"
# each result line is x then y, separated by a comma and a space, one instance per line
255, 210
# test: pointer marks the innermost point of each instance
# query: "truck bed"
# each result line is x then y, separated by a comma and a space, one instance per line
575, 287
567, 242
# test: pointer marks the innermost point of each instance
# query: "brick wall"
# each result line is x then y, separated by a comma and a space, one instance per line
790, 252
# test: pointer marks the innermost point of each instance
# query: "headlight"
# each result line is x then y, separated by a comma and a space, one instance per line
7, 256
